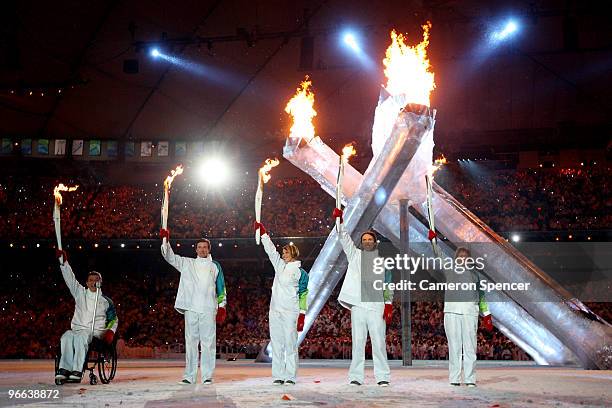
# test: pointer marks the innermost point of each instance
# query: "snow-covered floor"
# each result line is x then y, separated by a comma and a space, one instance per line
153, 383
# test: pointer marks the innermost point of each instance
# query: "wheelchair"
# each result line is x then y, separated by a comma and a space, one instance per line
100, 355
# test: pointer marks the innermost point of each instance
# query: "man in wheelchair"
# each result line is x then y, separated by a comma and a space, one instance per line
94, 316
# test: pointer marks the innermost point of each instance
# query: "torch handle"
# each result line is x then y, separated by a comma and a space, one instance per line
164, 209
58, 226
258, 199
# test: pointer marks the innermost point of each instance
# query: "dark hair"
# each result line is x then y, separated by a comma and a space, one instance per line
464, 250
371, 233
203, 240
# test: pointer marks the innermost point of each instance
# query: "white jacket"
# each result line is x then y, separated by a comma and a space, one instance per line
202, 285
290, 287
464, 302
106, 315
350, 294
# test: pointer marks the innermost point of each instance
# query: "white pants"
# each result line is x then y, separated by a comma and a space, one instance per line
74, 344
364, 321
461, 334
283, 339
200, 328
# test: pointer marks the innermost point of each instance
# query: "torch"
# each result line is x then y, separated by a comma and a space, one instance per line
430, 213
263, 176
166, 200
56, 211
347, 151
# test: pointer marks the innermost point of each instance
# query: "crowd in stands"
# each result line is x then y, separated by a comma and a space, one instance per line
525, 200
35, 313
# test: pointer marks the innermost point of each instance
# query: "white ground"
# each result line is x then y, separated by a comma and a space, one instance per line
153, 383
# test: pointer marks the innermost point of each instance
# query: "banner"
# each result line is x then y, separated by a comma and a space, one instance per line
26, 146
42, 147
145, 149
59, 147
94, 148
162, 149
130, 149
77, 147
180, 148
112, 148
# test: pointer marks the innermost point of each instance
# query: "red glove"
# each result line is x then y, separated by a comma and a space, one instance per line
431, 235
61, 253
337, 213
259, 226
300, 322
388, 313
164, 233
108, 336
221, 314
487, 323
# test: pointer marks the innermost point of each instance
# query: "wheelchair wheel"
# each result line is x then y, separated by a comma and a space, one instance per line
107, 364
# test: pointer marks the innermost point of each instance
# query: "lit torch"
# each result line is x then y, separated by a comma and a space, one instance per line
301, 107
263, 176
347, 152
438, 163
166, 200
56, 211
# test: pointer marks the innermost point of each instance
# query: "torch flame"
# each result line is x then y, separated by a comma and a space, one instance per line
264, 171
347, 152
302, 110
408, 70
173, 174
62, 187
438, 163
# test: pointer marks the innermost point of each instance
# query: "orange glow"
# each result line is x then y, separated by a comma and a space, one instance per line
347, 152
62, 187
438, 163
173, 173
264, 171
301, 107
407, 68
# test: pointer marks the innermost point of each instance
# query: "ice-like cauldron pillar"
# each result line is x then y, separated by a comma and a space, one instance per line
410, 126
513, 319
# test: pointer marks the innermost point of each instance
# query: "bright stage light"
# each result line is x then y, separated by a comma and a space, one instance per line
510, 28
516, 237
351, 41
155, 52
213, 171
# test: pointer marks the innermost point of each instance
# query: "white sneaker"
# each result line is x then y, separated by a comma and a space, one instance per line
207, 382
471, 385
185, 381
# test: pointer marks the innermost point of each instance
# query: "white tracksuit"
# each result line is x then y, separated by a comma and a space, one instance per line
365, 316
201, 291
461, 325
289, 296
75, 342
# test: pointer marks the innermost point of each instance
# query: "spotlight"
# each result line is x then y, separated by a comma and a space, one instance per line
213, 171
516, 237
351, 41
155, 52
509, 29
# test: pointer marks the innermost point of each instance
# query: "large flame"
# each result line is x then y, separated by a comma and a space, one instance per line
438, 163
347, 152
62, 187
173, 173
408, 70
264, 171
301, 107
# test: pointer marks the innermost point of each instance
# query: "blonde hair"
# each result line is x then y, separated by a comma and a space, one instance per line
293, 250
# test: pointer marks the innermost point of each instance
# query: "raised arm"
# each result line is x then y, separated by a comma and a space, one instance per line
273, 255
349, 247
73, 285
175, 260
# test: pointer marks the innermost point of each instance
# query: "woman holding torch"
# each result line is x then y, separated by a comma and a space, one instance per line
288, 307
